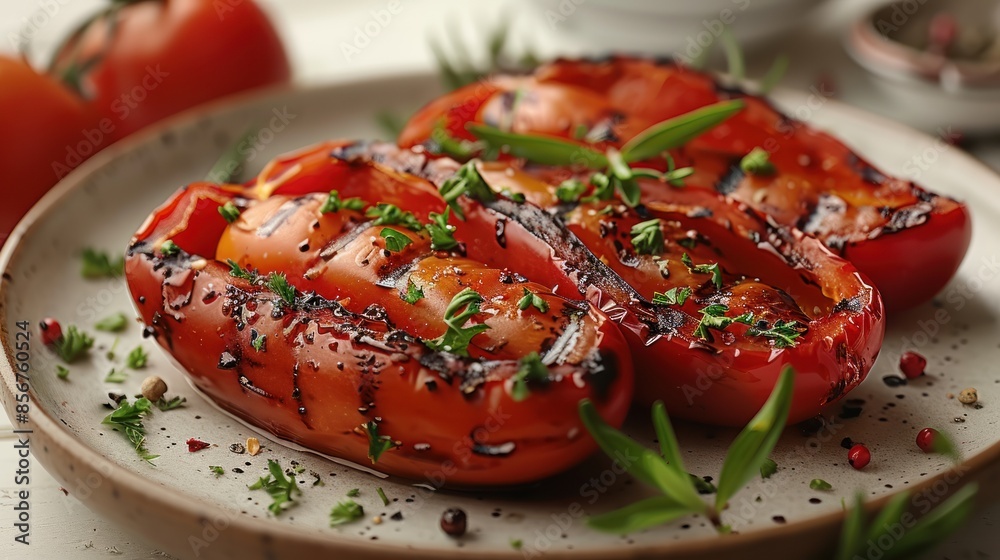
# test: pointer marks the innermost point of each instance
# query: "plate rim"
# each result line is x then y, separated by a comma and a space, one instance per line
819, 530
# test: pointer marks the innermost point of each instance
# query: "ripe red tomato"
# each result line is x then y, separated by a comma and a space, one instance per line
164, 56
41, 122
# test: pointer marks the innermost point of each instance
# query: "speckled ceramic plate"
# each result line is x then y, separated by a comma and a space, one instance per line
182, 506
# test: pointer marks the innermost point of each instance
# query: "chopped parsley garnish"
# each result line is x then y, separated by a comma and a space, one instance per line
714, 317
457, 337
571, 190
346, 512
381, 494
61, 371
394, 240
377, 444
137, 358
279, 487
169, 248
714, 269
112, 323
73, 344
237, 272
530, 369
165, 405
820, 484
333, 203
516, 544
390, 215
278, 283
413, 293
467, 181
442, 233
115, 376
757, 162
647, 237
217, 470
673, 296
229, 211
532, 299
783, 333
258, 341
768, 468
128, 418
515, 196
97, 264
353, 493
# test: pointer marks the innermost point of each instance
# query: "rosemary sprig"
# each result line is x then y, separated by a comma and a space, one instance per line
665, 471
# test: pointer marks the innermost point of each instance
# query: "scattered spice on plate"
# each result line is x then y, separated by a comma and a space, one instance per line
197, 445
253, 445
153, 388
968, 396
454, 522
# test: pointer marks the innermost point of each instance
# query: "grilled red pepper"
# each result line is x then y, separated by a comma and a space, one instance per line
349, 352
909, 241
713, 301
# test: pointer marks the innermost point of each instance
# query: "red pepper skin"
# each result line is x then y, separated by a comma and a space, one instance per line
327, 367
891, 229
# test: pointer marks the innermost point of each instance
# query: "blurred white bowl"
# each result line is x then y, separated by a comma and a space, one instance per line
958, 92
682, 28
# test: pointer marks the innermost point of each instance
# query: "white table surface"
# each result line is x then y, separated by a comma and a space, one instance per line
314, 31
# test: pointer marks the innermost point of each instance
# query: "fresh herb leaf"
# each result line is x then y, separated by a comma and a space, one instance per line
137, 358
937, 525
97, 264
530, 369
386, 214
703, 486
714, 269
377, 444
545, 150
647, 466
757, 162
515, 196
943, 445
73, 344
413, 293
673, 296
333, 203
278, 283
783, 333
169, 248
852, 532
278, 486
258, 341
734, 54
115, 376
768, 468
467, 181
229, 212
112, 323
647, 237
757, 440
516, 544
641, 515
443, 142
165, 405
774, 75
531, 299
394, 240
128, 418
820, 484
714, 317
217, 470
62, 372
676, 132
570, 190
442, 233
457, 336
236, 271
381, 494
346, 512
353, 493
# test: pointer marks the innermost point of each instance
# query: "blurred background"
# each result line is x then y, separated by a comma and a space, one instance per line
931, 64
